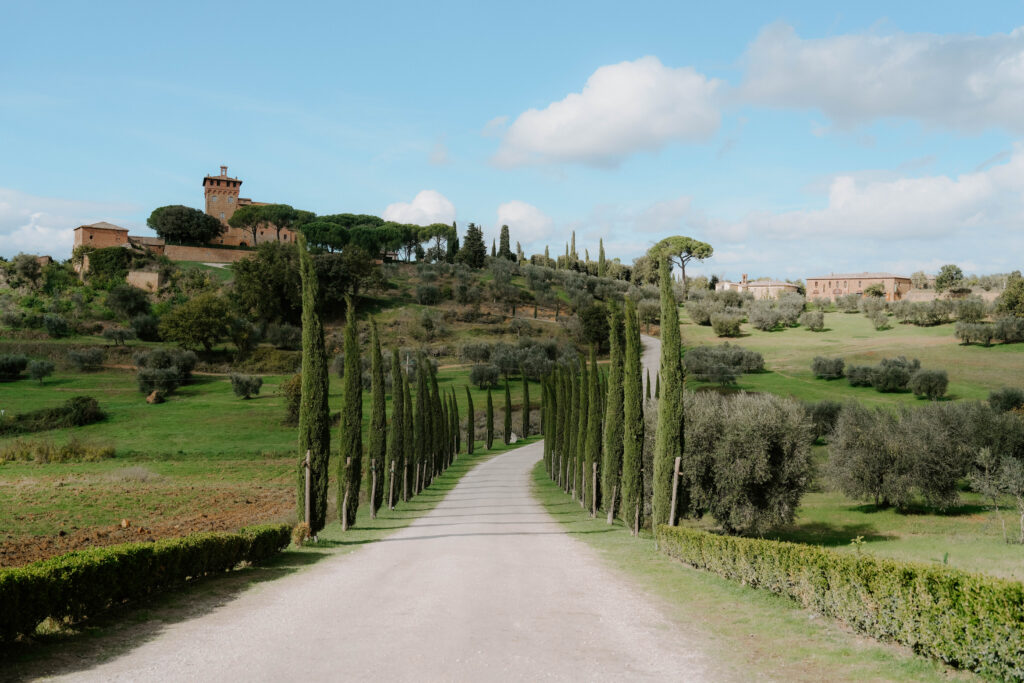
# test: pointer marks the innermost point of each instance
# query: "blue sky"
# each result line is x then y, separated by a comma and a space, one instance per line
797, 139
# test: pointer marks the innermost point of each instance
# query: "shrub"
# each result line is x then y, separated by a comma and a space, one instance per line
1006, 399
86, 360
859, 375
726, 324
246, 386
963, 619
146, 327
827, 368
484, 375
879, 319
11, 366
721, 364
127, 301
1009, 330
284, 336
478, 353
164, 370
791, 307
823, 416
970, 309
40, 369
428, 295
118, 335
763, 315
108, 266
42, 451
700, 310
813, 320
931, 384
56, 325
848, 303
83, 583
975, 333
746, 461
75, 412
893, 374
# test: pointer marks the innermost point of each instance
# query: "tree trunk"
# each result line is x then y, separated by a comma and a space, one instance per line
593, 493
611, 505
636, 519
391, 488
405, 483
373, 488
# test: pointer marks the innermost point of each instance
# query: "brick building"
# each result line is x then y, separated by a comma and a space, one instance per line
222, 200
761, 289
101, 235
835, 285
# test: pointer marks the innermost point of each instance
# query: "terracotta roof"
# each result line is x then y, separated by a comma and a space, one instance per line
862, 276
147, 240
103, 225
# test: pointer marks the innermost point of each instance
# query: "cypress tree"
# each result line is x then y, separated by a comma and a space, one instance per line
455, 421
395, 453
494, 252
504, 244
314, 414
600, 259
648, 384
563, 402
669, 435
613, 418
572, 410
421, 427
470, 423
545, 404
378, 423
633, 425
580, 459
526, 406
408, 440
350, 462
572, 252
507, 435
490, 420
438, 429
592, 454
657, 385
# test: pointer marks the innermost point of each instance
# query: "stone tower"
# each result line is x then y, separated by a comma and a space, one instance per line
221, 195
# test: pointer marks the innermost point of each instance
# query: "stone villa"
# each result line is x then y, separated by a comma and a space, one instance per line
761, 289
221, 200
835, 285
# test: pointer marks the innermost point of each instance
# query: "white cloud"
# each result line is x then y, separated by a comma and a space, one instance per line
527, 224
959, 81
44, 225
623, 108
428, 206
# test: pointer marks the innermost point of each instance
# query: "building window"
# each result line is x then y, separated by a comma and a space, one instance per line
231, 200
213, 198
222, 215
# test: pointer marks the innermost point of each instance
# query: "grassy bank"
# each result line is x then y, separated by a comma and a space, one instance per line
757, 634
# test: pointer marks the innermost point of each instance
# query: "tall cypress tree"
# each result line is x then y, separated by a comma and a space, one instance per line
408, 441
396, 436
350, 462
583, 406
378, 423
632, 425
314, 414
669, 435
507, 426
657, 385
592, 454
572, 428
504, 244
494, 251
563, 406
613, 417
490, 420
648, 384
526, 406
545, 404
455, 420
438, 430
421, 425
470, 423
601, 266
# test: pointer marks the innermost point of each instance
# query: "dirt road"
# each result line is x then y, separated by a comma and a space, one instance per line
487, 587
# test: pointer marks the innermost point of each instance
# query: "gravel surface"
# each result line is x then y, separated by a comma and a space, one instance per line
487, 586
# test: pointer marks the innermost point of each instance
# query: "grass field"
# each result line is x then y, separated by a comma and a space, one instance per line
203, 460
973, 370
753, 634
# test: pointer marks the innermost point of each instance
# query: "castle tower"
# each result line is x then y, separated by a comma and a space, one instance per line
221, 195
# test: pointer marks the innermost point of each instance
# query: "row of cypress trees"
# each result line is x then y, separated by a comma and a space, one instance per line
594, 421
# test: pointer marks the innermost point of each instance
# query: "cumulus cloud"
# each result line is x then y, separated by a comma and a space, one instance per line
526, 223
623, 108
428, 206
959, 81
44, 225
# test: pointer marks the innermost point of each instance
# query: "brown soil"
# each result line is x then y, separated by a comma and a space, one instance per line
256, 507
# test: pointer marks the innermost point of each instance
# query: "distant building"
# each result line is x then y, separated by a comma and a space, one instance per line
222, 200
836, 285
761, 289
101, 235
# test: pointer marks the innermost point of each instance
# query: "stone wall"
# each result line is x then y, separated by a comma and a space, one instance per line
177, 252
144, 279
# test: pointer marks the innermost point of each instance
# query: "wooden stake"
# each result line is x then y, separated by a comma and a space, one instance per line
344, 499
373, 488
309, 486
391, 488
593, 493
675, 490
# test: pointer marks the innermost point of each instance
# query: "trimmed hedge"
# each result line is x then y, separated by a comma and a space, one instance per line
85, 582
966, 620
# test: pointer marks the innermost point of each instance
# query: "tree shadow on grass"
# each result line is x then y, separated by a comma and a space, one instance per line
829, 535
133, 624
920, 509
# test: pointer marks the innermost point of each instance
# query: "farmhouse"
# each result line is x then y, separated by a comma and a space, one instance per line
836, 285
761, 289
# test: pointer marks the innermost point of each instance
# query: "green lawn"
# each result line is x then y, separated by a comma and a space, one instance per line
973, 370
219, 274
751, 634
